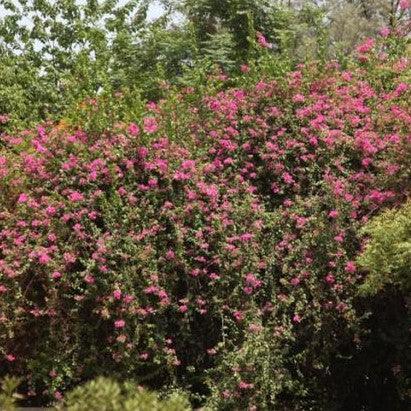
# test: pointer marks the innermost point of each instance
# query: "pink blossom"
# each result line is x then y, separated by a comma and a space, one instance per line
119, 324
262, 41
238, 315
150, 125
170, 255
296, 318
244, 68
56, 275
245, 385
10, 358
50, 210
288, 178
69, 258
252, 280
144, 356
117, 294
188, 165
133, 129
4, 118
330, 279
44, 258
385, 32
76, 196
128, 298
350, 267
89, 279
405, 4
366, 46
298, 98
333, 214
23, 198
183, 308
255, 328
3, 288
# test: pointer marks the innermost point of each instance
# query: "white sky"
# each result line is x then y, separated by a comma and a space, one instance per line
154, 11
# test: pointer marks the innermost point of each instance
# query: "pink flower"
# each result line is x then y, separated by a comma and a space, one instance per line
244, 68
385, 32
4, 118
255, 328
119, 324
245, 385
333, 214
405, 4
117, 294
401, 88
50, 210
238, 315
188, 165
330, 279
295, 281
252, 281
365, 47
128, 298
262, 41
350, 267
23, 198
3, 288
133, 129
298, 98
89, 279
58, 395
69, 258
183, 308
288, 178
76, 196
10, 358
44, 258
150, 125
56, 275
296, 318
170, 255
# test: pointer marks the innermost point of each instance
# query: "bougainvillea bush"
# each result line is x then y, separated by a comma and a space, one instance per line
210, 244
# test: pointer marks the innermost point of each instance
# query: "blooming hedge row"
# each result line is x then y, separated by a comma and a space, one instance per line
210, 244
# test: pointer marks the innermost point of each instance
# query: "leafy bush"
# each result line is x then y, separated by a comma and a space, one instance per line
104, 394
387, 255
210, 243
8, 395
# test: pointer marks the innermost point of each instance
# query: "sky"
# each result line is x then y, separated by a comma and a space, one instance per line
154, 11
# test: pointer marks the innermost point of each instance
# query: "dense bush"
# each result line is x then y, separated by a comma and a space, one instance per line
208, 245
387, 255
104, 394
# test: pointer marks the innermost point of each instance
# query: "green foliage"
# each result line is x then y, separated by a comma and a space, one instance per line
8, 395
104, 394
387, 255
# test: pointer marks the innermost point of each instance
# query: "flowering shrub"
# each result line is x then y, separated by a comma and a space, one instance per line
210, 244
